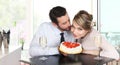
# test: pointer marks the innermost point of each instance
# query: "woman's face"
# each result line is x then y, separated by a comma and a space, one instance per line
78, 31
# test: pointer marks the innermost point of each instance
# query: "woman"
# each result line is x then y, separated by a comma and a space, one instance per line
83, 31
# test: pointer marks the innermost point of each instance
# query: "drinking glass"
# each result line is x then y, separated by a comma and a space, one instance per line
43, 44
98, 40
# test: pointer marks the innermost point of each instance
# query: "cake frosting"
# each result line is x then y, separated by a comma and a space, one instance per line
70, 48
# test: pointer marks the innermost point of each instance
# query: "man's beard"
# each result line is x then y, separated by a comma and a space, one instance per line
68, 29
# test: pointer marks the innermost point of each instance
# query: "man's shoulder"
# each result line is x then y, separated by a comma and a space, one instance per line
45, 24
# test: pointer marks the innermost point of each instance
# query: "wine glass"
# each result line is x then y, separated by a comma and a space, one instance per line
98, 40
43, 44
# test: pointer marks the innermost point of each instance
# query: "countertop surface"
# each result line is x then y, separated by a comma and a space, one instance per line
6, 51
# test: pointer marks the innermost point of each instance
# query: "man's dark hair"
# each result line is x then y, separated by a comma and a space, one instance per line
56, 12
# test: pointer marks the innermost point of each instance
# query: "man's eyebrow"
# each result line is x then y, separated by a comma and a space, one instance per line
64, 22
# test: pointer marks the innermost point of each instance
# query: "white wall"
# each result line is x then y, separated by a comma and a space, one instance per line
110, 15
41, 9
38, 11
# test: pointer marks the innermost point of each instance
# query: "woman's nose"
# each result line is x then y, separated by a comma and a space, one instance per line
73, 30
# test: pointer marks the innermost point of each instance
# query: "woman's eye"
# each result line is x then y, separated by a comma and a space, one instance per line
80, 29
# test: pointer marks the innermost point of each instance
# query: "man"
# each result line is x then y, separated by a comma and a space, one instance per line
60, 22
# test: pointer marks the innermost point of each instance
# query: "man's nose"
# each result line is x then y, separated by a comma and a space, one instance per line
69, 24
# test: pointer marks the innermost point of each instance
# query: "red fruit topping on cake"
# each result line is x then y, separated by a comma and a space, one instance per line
70, 47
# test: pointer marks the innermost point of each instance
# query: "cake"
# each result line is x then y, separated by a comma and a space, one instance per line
70, 47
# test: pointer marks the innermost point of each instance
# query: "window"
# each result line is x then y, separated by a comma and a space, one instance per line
109, 20
15, 15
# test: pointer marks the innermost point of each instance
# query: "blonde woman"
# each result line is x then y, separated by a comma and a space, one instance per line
85, 33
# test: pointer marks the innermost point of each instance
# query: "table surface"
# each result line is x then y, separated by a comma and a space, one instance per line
79, 59
10, 56
5, 51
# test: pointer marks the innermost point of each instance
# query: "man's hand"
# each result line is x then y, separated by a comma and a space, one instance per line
65, 54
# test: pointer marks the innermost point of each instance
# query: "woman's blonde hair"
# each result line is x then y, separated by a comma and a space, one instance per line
84, 19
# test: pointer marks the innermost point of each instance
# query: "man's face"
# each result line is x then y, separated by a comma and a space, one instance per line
64, 23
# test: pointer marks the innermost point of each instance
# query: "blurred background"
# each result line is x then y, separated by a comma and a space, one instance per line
22, 17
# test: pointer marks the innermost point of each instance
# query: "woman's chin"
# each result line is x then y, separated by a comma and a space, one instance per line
76, 38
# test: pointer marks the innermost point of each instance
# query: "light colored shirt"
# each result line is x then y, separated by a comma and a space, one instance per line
88, 44
53, 40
